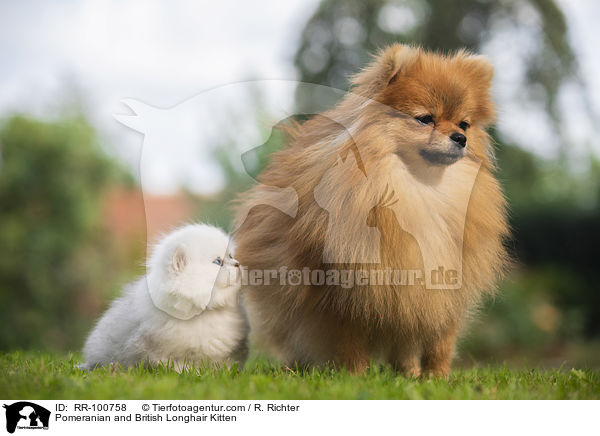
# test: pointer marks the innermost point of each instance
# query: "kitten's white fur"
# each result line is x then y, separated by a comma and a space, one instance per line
185, 311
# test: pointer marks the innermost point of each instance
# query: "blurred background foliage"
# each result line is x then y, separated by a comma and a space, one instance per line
57, 267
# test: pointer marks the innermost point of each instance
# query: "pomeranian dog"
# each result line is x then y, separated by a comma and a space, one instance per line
184, 312
403, 168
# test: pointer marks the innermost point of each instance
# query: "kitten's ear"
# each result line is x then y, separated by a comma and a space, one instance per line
385, 69
178, 260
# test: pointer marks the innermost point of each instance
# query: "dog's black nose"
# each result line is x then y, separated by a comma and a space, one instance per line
459, 138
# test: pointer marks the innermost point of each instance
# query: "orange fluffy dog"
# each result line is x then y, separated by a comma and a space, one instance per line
397, 177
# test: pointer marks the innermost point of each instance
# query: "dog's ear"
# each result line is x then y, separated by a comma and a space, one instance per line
384, 70
478, 72
477, 68
178, 260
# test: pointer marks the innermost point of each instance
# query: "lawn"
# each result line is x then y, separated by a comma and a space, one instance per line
34, 375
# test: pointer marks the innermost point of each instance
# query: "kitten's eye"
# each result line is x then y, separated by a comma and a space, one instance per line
464, 125
218, 261
425, 119
230, 256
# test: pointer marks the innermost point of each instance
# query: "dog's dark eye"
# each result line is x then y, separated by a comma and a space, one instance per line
464, 125
425, 119
218, 261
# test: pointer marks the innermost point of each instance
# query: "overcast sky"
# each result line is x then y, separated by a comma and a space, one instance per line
163, 53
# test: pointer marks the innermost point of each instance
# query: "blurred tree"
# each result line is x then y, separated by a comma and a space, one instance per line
339, 37
54, 258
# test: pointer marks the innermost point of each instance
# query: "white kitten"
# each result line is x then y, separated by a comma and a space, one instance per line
186, 310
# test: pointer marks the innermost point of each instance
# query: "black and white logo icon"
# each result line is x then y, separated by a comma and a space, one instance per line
26, 415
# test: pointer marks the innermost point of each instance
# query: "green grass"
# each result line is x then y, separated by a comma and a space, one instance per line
34, 375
